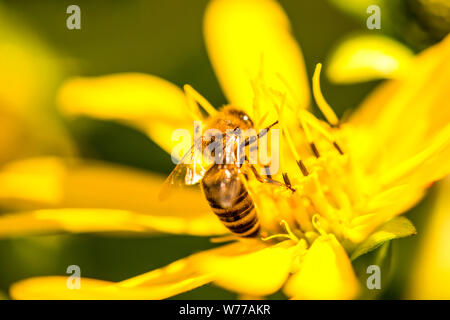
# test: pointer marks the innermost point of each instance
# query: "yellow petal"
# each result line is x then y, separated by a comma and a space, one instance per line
23, 61
382, 208
55, 183
358, 8
426, 166
325, 273
106, 220
431, 273
251, 40
49, 288
161, 283
25, 95
398, 227
149, 103
406, 120
368, 57
180, 276
13, 133
254, 273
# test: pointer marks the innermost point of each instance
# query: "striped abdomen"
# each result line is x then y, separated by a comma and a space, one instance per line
230, 201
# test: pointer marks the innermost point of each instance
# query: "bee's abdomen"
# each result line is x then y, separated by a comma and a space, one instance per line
241, 218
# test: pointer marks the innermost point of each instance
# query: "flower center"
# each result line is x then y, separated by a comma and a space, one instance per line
313, 159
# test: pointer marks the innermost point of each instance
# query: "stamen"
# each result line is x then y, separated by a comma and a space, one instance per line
261, 120
193, 108
302, 167
338, 148
287, 181
278, 235
290, 142
316, 224
288, 230
289, 235
200, 99
256, 103
289, 88
315, 150
308, 136
314, 123
320, 100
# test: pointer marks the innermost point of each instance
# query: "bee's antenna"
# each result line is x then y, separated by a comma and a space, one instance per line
261, 134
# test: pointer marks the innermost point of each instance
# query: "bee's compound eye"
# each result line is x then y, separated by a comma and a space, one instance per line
245, 117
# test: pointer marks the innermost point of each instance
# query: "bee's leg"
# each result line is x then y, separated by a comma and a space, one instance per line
194, 99
286, 185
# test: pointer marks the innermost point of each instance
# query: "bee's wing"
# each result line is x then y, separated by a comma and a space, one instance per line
185, 173
234, 150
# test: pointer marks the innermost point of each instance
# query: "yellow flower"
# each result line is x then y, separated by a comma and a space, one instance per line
25, 95
364, 57
352, 178
430, 278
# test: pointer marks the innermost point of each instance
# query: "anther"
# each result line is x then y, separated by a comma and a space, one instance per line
287, 182
336, 125
315, 150
338, 148
302, 167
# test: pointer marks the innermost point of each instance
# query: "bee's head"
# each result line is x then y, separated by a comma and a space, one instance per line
240, 117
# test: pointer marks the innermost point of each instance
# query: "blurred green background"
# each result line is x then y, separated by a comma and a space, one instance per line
163, 38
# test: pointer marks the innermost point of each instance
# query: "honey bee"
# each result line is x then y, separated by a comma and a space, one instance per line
222, 183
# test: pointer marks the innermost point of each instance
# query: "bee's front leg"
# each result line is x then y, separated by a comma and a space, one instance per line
287, 183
